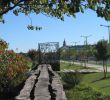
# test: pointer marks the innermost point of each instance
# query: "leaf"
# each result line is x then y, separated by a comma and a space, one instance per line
15, 12
81, 9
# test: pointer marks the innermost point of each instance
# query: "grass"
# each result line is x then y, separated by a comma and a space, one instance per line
89, 86
97, 81
69, 66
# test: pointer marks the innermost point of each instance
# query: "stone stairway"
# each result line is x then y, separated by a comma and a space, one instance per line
43, 84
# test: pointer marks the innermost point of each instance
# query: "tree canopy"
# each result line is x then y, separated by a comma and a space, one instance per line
102, 50
56, 8
103, 53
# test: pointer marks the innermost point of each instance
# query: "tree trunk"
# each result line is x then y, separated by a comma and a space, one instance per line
73, 61
85, 63
104, 69
81, 63
96, 62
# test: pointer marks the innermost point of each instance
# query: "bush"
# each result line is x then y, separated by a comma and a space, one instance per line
3, 45
71, 79
84, 92
34, 56
13, 69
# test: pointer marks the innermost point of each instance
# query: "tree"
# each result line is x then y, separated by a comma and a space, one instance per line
3, 45
33, 55
56, 8
102, 53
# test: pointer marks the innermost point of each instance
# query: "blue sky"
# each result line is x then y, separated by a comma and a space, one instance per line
14, 30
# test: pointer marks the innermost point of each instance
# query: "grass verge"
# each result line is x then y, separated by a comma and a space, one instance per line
88, 87
69, 66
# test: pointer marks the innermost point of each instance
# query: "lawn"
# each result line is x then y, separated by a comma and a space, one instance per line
86, 86
69, 66
96, 80
90, 86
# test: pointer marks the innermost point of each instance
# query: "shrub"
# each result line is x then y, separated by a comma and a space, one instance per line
84, 92
71, 79
34, 56
13, 69
3, 45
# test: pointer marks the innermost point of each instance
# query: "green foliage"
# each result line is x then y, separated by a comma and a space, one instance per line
70, 79
84, 92
102, 50
33, 54
90, 87
31, 27
69, 66
69, 53
55, 8
97, 81
102, 53
13, 68
3, 45
90, 51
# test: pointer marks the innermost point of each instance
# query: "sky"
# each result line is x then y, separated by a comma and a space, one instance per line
15, 31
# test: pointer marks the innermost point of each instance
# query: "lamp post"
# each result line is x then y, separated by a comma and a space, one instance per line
107, 26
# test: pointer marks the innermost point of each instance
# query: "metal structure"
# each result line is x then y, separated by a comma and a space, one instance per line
108, 30
86, 47
86, 37
49, 53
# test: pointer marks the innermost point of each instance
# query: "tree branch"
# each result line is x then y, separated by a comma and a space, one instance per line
10, 8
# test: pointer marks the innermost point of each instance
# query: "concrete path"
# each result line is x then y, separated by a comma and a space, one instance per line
43, 84
97, 67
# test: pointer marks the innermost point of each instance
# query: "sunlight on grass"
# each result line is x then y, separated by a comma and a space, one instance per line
69, 66
96, 80
90, 87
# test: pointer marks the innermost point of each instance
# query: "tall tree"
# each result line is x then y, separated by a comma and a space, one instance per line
102, 53
56, 8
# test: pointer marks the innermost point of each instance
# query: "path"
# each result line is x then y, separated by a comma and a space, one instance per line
98, 67
43, 84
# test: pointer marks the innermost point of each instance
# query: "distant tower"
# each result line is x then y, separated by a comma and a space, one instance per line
64, 43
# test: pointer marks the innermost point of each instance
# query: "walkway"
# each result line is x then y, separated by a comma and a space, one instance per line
97, 67
43, 84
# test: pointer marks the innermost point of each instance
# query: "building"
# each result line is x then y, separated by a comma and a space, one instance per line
76, 47
68, 52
